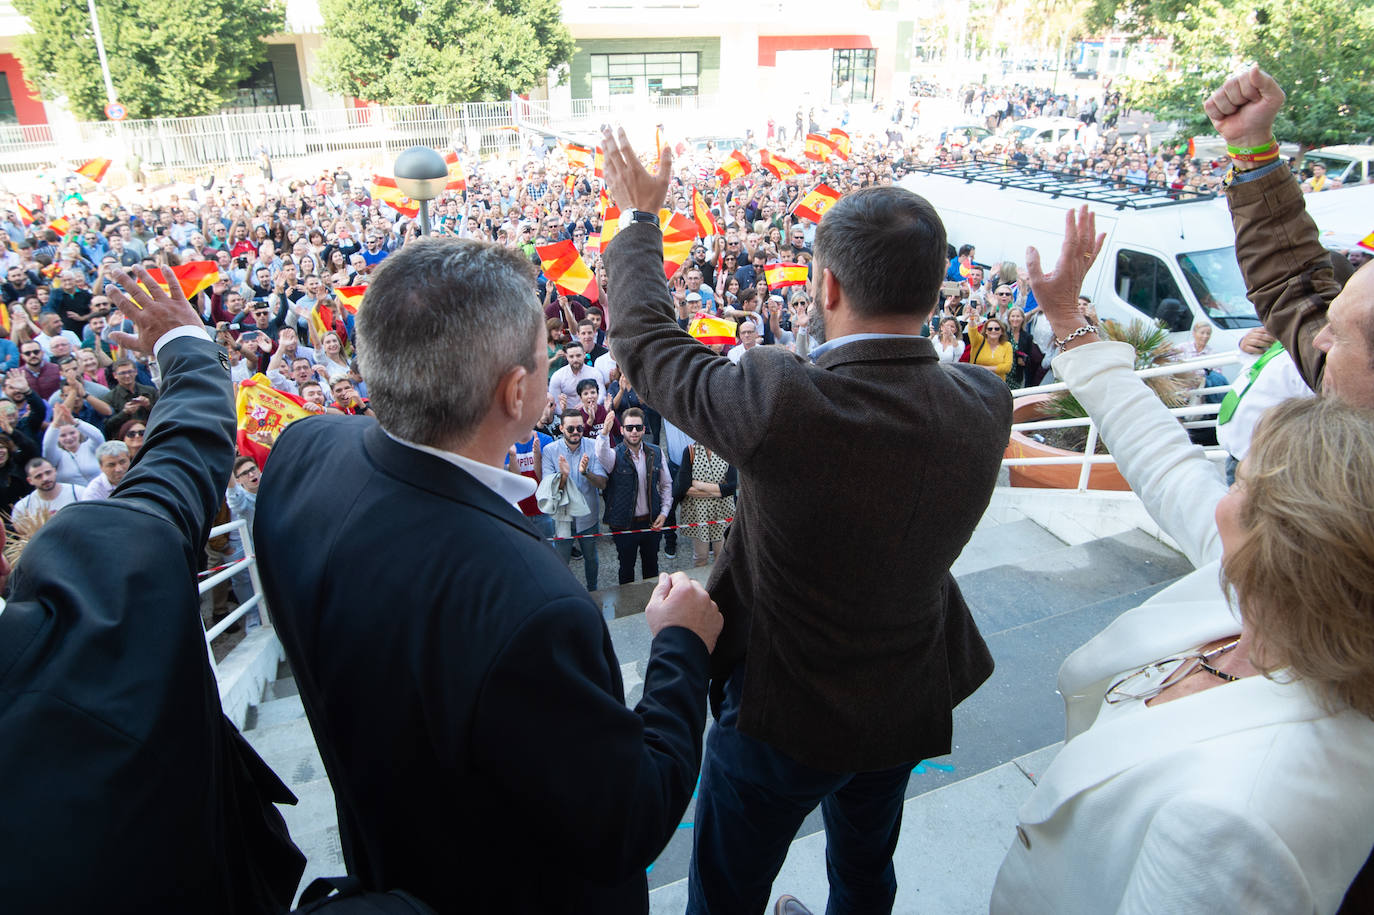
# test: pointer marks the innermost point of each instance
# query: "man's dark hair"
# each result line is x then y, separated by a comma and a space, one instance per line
585, 323
587, 383
120, 363
966, 249
241, 460
572, 412
885, 247
633, 411
572, 344
310, 384
33, 464
597, 309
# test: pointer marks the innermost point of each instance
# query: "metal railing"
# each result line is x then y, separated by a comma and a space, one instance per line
1204, 413
249, 563
235, 138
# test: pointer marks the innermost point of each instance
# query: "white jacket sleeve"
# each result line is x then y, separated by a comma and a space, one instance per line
1179, 486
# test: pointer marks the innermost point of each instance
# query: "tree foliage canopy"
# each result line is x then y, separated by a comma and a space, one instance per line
1318, 50
410, 52
168, 58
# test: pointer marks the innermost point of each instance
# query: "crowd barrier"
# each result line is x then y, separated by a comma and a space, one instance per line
222, 573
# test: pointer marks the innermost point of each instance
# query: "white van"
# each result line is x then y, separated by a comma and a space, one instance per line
1349, 164
1164, 258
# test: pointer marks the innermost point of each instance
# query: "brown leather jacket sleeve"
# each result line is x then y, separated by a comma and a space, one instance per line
1288, 274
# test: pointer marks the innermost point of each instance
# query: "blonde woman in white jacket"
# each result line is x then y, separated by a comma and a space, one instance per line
1216, 760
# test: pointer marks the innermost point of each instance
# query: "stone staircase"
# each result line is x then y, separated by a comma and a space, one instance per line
1035, 598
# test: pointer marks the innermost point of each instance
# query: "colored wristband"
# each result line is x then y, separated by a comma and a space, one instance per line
1261, 159
1271, 146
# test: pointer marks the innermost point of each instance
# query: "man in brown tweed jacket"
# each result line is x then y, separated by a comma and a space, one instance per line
862, 475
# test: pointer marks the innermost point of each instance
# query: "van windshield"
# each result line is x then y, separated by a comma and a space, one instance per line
1215, 279
1338, 167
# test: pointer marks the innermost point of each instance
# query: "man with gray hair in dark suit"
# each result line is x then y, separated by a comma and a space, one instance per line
843, 654
460, 683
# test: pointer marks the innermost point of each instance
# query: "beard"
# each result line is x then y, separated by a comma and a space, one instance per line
815, 320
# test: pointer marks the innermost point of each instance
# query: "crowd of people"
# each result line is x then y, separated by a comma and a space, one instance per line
1188, 773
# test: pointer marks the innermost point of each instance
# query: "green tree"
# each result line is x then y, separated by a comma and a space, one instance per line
168, 58
408, 52
1318, 50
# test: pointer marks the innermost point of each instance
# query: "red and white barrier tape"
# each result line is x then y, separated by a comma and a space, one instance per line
642, 530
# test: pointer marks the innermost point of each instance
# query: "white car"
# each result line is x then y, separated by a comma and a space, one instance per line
1349, 164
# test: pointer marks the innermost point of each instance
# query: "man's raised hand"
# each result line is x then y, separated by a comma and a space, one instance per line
1244, 108
154, 310
631, 185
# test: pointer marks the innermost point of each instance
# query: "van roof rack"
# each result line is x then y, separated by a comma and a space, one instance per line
1067, 184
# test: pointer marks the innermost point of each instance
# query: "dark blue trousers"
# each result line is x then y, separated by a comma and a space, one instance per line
751, 803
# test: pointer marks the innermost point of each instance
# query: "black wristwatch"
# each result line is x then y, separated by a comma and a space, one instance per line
643, 216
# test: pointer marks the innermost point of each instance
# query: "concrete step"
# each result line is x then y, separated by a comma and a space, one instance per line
276, 711
280, 688
1007, 543
951, 846
313, 812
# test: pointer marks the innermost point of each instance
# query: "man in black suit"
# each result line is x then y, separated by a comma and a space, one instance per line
126, 789
461, 684
846, 641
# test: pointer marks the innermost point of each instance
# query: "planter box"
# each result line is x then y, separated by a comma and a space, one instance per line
1052, 476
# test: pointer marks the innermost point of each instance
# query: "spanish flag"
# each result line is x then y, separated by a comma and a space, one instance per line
457, 180
5, 319
593, 243
578, 156
25, 214
840, 141
658, 143
193, 278
814, 204
783, 274
60, 225
599, 164
679, 234
736, 165
385, 190
610, 224
778, 166
321, 319
818, 148
709, 330
94, 169
568, 271
263, 412
1367, 242
350, 297
706, 223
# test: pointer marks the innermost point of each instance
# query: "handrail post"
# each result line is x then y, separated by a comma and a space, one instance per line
246, 538
1089, 448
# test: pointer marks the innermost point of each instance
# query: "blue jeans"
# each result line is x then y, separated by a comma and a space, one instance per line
589, 561
753, 799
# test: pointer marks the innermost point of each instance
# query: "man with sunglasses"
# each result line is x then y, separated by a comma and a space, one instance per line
639, 494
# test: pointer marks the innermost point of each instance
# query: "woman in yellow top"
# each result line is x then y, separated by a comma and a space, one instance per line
988, 346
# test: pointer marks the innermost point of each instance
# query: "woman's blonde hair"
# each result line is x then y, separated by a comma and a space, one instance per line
1304, 575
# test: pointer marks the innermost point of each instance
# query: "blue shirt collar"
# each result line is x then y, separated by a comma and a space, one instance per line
828, 345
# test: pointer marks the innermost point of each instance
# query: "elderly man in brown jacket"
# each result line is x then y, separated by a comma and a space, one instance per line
862, 475
1328, 330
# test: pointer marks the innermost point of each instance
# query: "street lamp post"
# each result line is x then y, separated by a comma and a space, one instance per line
100, 51
421, 174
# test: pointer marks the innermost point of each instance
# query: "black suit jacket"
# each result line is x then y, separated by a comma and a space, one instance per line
861, 479
462, 687
126, 789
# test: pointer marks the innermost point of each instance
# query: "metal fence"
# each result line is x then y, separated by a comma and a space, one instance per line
486, 129
1192, 416
249, 563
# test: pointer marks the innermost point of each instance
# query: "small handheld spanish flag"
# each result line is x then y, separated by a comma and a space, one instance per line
708, 329
779, 167
350, 297
578, 156
818, 148
25, 214
94, 169
784, 274
384, 189
701, 213
568, 271
60, 225
193, 278
736, 165
457, 180
679, 234
814, 204
839, 141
